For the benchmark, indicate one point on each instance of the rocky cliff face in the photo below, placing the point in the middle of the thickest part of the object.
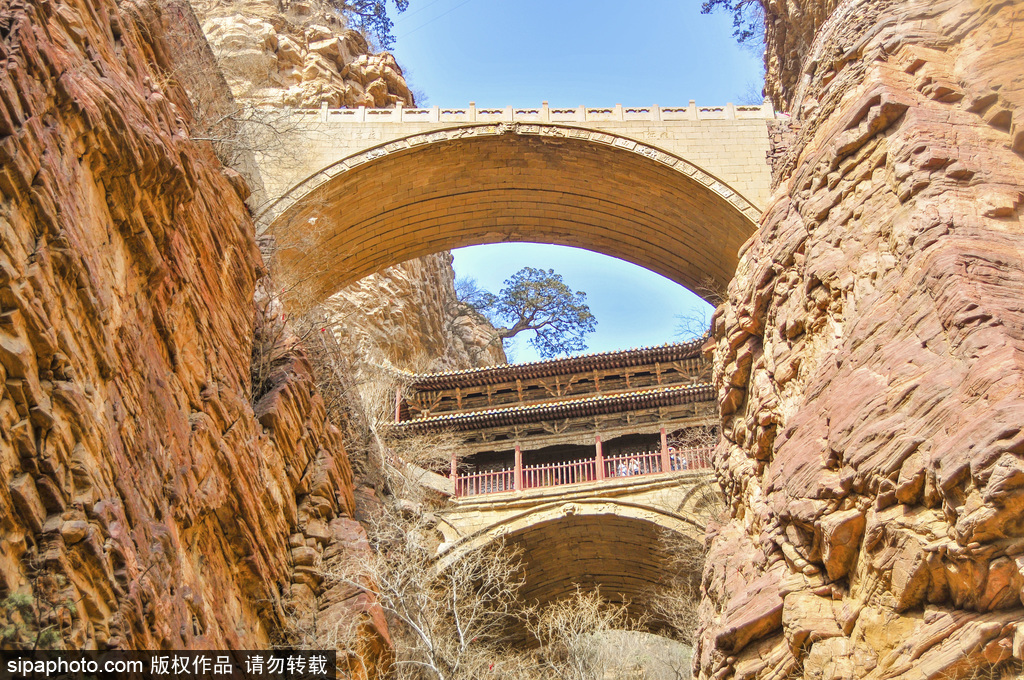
(298, 54)
(870, 358)
(138, 480)
(407, 317)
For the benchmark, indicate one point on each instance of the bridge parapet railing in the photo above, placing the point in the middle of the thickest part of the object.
(580, 471)
(631, 464)
(544, 114)
(557, 474)
(485, 482)
(652, 462)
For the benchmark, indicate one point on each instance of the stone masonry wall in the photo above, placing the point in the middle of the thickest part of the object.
(138, 482)
(870, 358)
(733, 150)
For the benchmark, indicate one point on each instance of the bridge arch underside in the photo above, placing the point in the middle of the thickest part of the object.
(659, 212)
(622, 548)
(624, 557)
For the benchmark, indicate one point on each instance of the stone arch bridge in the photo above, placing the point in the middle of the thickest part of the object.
(674, 189)
(610, 534)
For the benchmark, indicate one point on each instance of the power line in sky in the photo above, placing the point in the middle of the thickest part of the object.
(407, 34)
(416, 11)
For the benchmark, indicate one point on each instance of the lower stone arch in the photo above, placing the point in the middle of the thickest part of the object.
(494, 183)
(614, 545)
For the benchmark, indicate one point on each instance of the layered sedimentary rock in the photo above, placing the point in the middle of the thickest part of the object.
(139, 482)
(870, 358)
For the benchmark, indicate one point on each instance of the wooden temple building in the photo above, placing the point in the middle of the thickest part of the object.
(572, 420)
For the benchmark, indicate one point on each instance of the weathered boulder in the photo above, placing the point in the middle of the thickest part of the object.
(262, 46)
(840, 541)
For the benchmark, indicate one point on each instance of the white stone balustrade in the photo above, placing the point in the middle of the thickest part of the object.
(544, 114)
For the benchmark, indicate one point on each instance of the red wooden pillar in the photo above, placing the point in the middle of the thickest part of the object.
(600, 457)
(666, 463)
(455, 474)
(519, 469)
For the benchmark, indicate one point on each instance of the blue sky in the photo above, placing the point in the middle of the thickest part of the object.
(569, 52)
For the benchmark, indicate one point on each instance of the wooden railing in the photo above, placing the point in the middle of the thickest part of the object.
(485, 482)
(630, 464)
(556, 474)
(693, 459)
(580, 471)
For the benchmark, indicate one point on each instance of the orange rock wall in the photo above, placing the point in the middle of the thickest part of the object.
(870, 358)
(137, 480)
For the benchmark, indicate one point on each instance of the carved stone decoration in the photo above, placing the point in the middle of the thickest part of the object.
(569, 509)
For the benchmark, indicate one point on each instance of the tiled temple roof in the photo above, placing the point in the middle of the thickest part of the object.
(541, 369)
(585, 406)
